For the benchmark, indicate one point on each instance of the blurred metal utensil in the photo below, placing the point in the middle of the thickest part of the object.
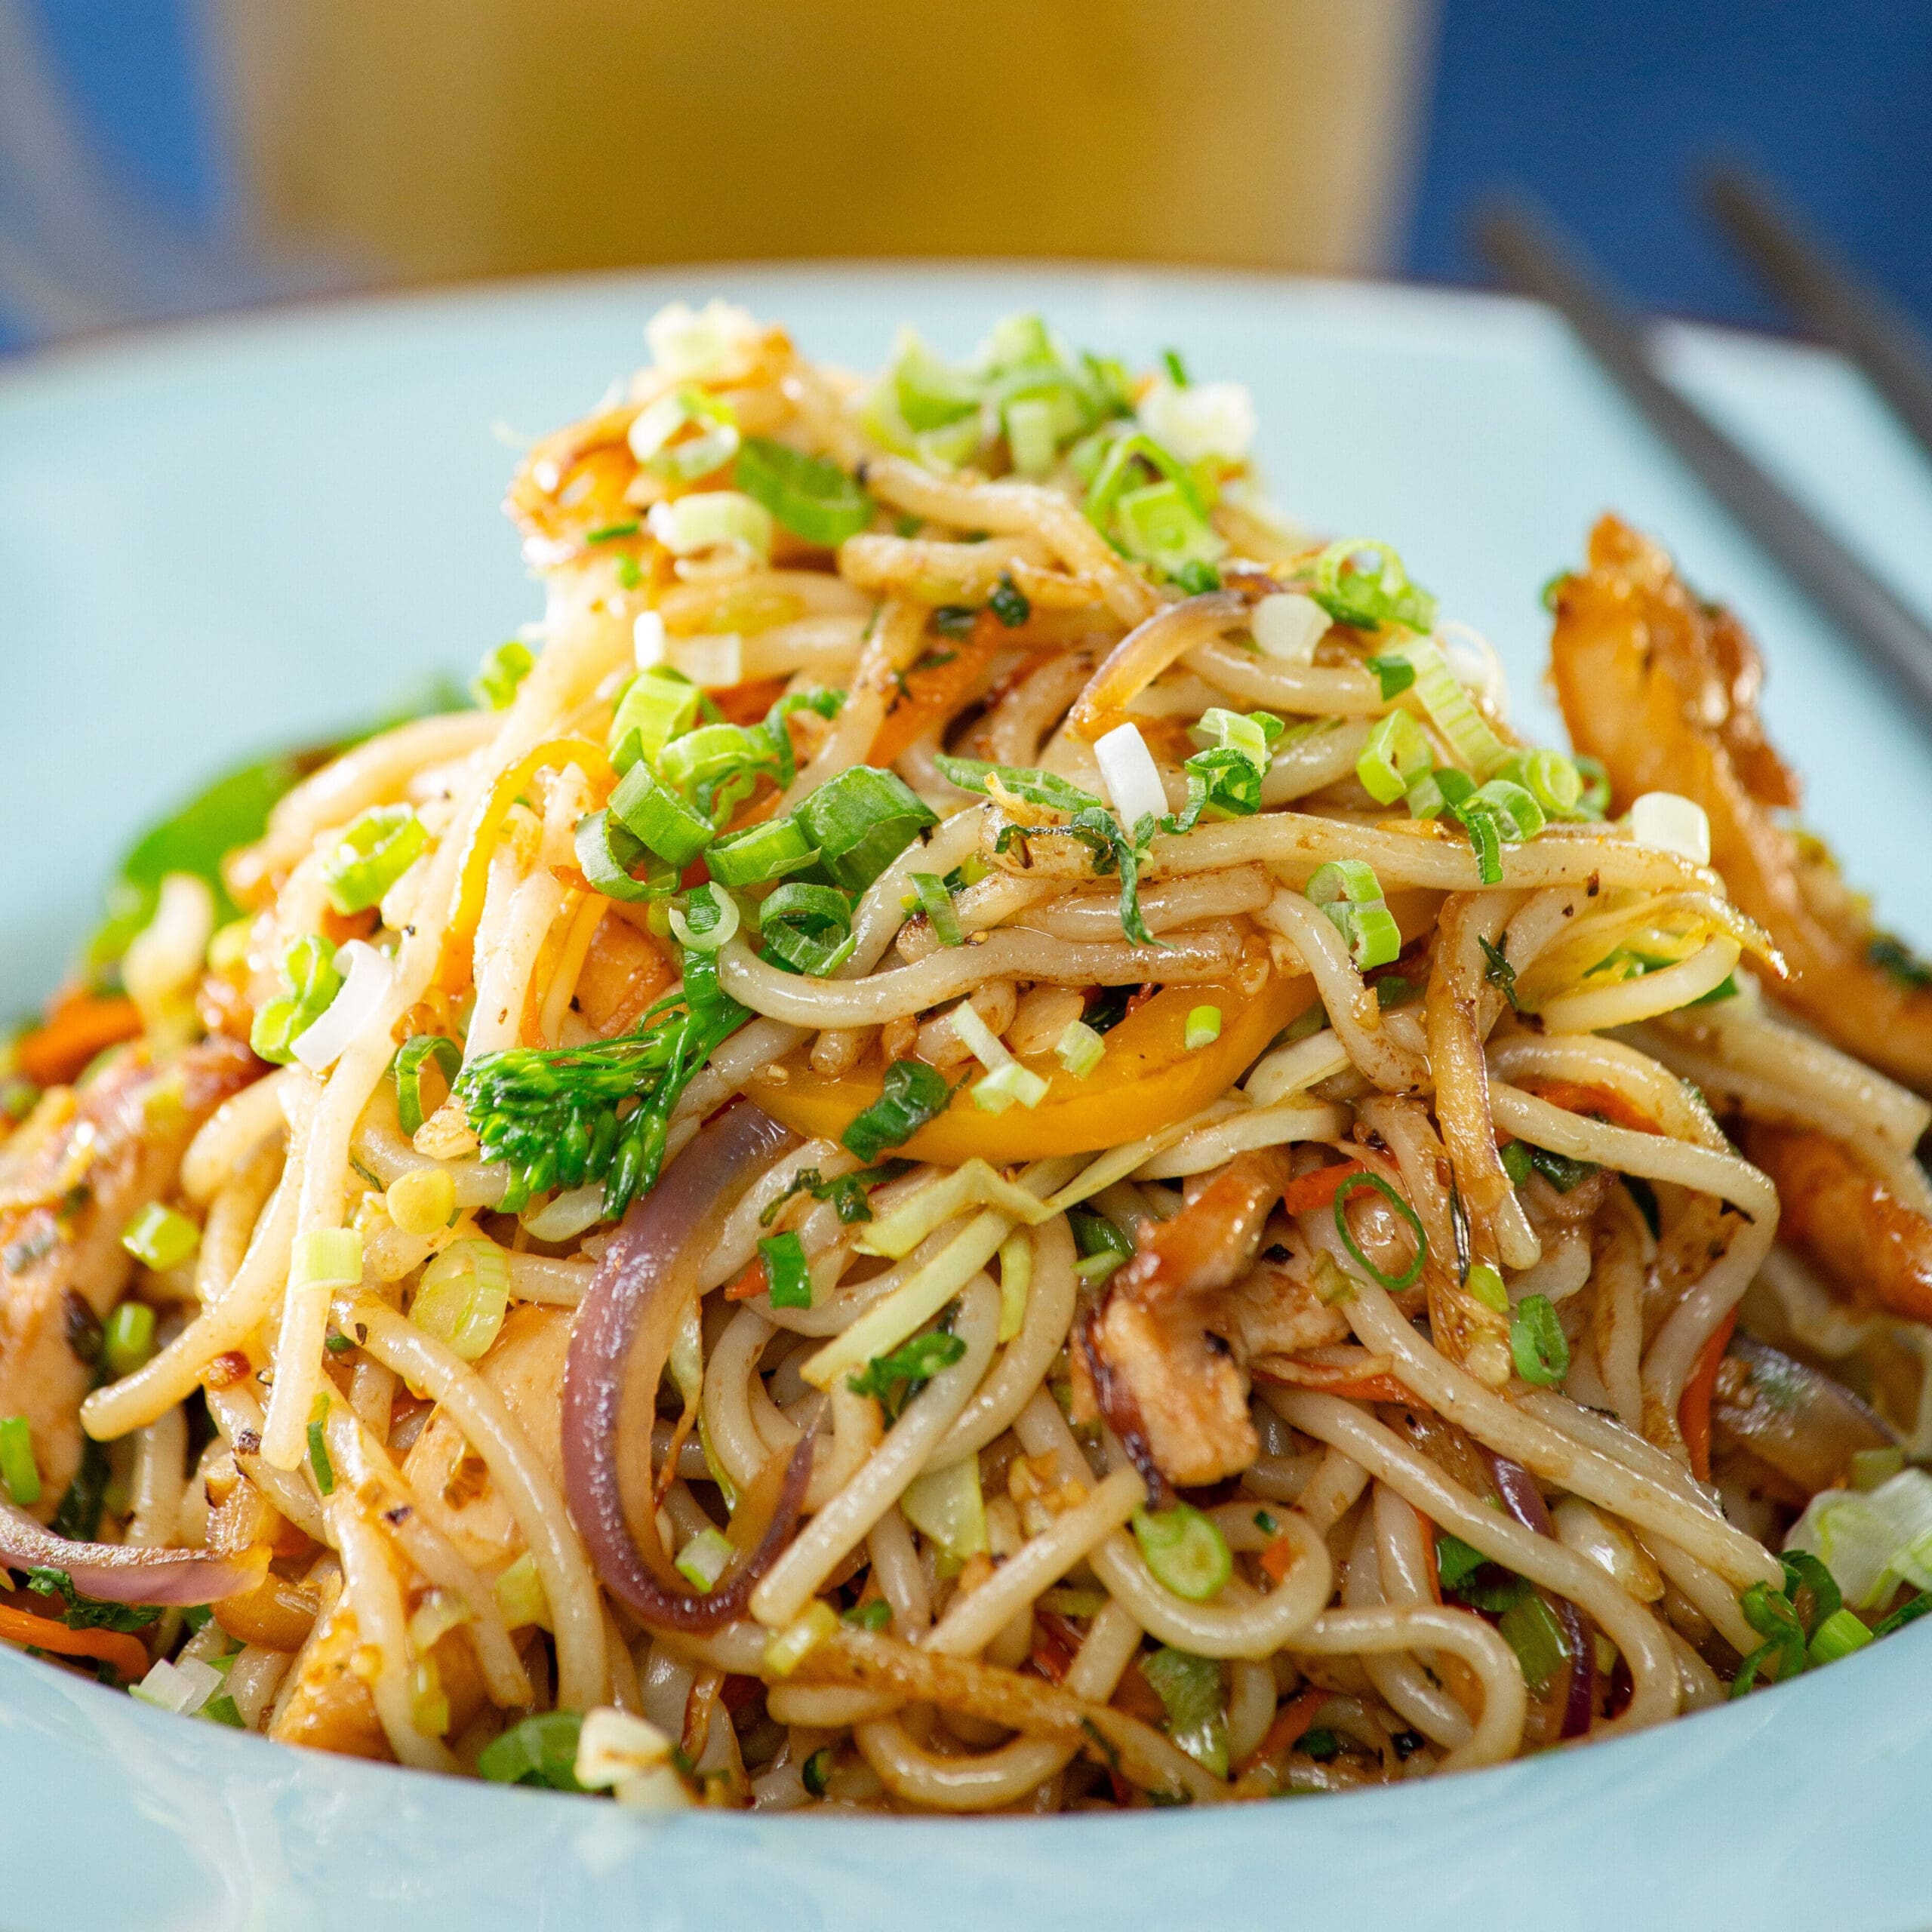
(1528, 251)
(1825, 292)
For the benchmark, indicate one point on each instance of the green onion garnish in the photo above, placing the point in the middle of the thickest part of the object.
(1516, 1163)
(1485, 1282)
(494, 686)
(539, 1750)
(1395, 756)
(1837, 1636)
(408, 1070)
(915, 1094)
(308, 970)
(658, 816)
(786, 1270)
(1079, 1049)
(705, 1558)
(1529, 1627)
(610, 855)
(936, 904)
(1008, 603)
(159, 1237)
(1369, 595)
(760, 852)
(874, 1614)
(807, 928)
(810, 495)
(1204, 1027)
(1104, 1244)
(1395, 674)
(19, 1471)
(1185, 1549)
(861, 821)
(1348, 892)
(1537, 1342)
(375, 850)
(657, 706)
(1356, 1184)
(318, 1448)
(128, 1340)
(897, 1377)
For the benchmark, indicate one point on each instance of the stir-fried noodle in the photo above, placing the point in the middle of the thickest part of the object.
(981, 1142)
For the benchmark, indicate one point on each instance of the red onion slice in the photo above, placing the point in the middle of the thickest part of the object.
(625, 1329)
(1523, 1500)
(117, 1573)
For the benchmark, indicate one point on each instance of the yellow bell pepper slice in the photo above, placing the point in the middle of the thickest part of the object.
(1148, 1081)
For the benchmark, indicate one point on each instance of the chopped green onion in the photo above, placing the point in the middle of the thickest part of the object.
(1032, 440)
(874, 1614)
(308, 970)
(1163, 525)
(1910, 1611)
(653, 427)
(786, 1270)
(936, 904)
(1560, 1171)
(1516, 1163)
(19, 1470)
(1006, 1084)
(713, 519)
(1079, 1049)
(930, 392)
(1008, 603)
(1103, 1246)
(948, 1508)
(914, 1094)
(1485, 1284)
(326, 1258)
(1356, 1184)
(1196, 577)
(810, 495)
(494, 686)
(1395, 756)
(463, 1296)
(608, 854)
(448, 1057)
(1194, 1691)
(760, 852)
(1204, 1027)
(1451, 709)
(375, 850)
(807, 928)
(1456, 1562)
(1175, 368)
(318, 1447)
(128, 1340)
(861, 821)
(658, 706)
(815, 1773)
(1537, 1342)
(895, 1377)
(611, 533)
(539, 1750)
(1550, 778)
(709, 918)
(658, 816)
(1529, 1627)
(1395, 674)
(706, 1558)
(159, 1237)
(1497, 968)
(1185, 1549)
(1252, 733)
(1368, 597)
(1348, 892)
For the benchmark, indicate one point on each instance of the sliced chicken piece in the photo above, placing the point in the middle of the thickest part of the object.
(1873, 1248)
(1663, 690)
(1273, 1310)
(71, 1179)
(525, 1366)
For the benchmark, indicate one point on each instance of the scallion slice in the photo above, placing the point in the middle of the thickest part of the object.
(914, 1094)
(160, 1238)
(654, 814)
(657, 706)
(374, 851)
(760, 853)
(1204, 1027)
(1538, 1343)
(810, 495)
(1185, 1549)
(608, 854)
(807, 928)
(1395, 756)
(1370, 594)
(861, 821)
(1079, 1049)
(503, 669)
(20, 1471)
(936, 904)
(1356, 1184)
(448, 1057)
(786, 1270)
(1348, 892)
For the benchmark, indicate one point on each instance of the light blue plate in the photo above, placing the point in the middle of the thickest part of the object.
(217, 540)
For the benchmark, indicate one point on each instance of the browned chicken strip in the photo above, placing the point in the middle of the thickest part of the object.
(71, 1179)
(1663, 690)
(1852, 1227)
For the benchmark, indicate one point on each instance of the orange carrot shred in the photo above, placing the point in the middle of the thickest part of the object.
(82, 1024)
(127, 1653)
(1318, 1188)
(1693, 1409)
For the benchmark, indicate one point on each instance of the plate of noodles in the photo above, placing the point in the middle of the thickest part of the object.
(1083, 1057)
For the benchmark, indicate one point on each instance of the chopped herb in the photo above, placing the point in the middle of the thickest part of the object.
(874, 1615)
(954, 621)
(540, 1750)
(815, 1773)
(1392, 990)
(1175, 368)
(897, 1377)
(847, 1192)
(1395, 675)
(1197, 577)
(1893, 955)
(914, 1094)
(1498, 971)
(86, 1612)
(610, 533)
(1008, 603)
(78, 1519)
(1561, 1171)
(1321, 1744)
(786, 1271)
(1516, 1162)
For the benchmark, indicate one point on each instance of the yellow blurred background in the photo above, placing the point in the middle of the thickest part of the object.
(455, 137)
